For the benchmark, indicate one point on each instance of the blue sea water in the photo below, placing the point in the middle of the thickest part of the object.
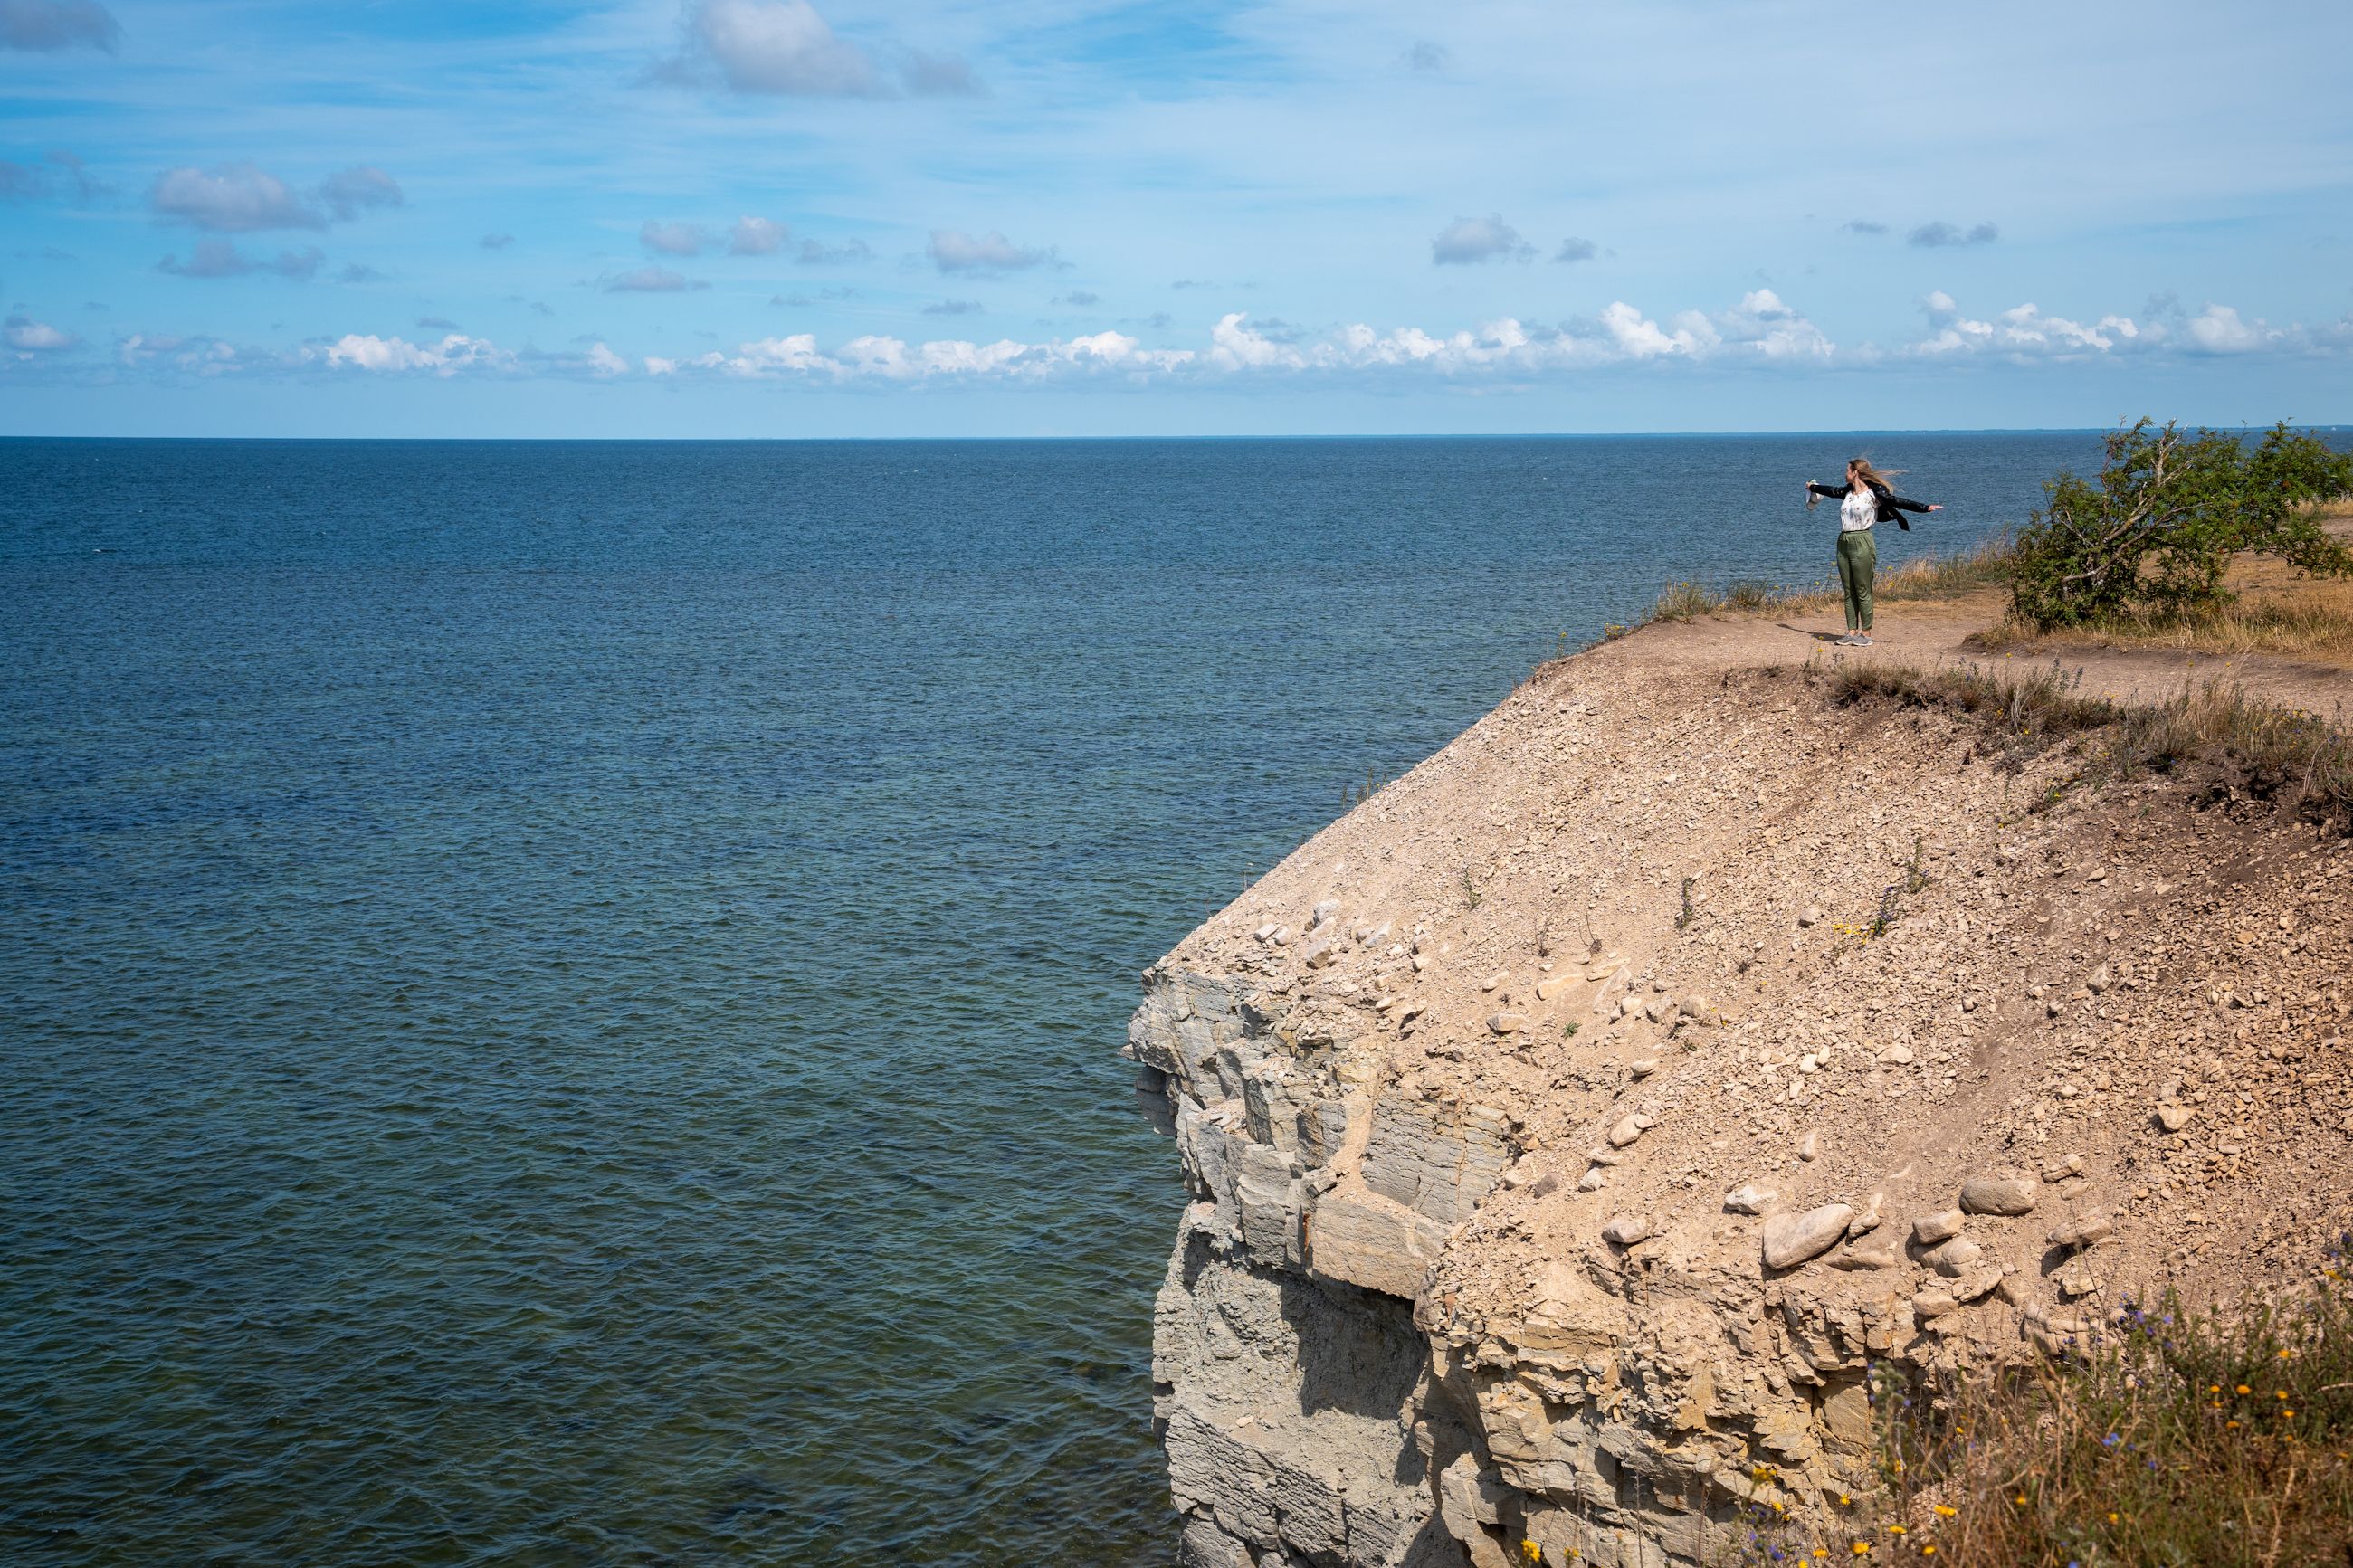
(558, 1001)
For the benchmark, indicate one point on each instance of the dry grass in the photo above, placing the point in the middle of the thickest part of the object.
(2168, 1439)
(1933, 577)
(2237, 745)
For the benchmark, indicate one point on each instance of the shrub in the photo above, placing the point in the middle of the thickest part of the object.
(2155, 533)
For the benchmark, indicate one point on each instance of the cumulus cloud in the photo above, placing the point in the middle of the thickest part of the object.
(650, 280)
(28, 336)
(1576, 250)
(198, 355)
(495, 241)
(2028, 332)
(756, 237)
(674, 238)
(235, 198)
(46, 26)
(954, 250)
(348, 192)
(392, 355)
(815, 253)
(1942, 235)
(785, 49)
(241, 198)
(1468, 241)
(773, 47)
(222, 258)
(956, 308)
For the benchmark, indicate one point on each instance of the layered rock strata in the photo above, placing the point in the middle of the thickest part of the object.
(1574, 1127)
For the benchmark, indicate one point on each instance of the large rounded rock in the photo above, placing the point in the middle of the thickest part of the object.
(2001, 1194)
(1792, 1239)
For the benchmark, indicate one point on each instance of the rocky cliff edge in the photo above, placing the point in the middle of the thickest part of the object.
(1572, 1126)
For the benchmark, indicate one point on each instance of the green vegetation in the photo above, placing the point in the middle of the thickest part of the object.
(2154, 535)
(2168, 1438)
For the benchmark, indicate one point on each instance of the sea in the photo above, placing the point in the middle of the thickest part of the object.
(560, 1001)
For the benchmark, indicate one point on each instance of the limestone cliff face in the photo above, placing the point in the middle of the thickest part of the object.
(1570, 1128)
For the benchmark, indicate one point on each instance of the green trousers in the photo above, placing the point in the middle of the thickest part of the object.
(1858, 561)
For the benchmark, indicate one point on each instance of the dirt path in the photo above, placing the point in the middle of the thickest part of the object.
(1934, 632)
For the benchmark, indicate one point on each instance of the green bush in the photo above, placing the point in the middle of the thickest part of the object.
(2156, 531)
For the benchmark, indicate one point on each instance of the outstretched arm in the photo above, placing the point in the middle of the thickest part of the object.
(1902, 504)
(1833, 491)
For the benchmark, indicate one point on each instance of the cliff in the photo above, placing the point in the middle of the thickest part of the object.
(1571, 1126)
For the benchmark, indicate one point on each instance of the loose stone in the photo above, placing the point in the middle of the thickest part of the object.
(1506, 1023)
(2001, 1194)
(1625, 1230)
(1792, 1239)
(1749, 1198)
(1943, 1225)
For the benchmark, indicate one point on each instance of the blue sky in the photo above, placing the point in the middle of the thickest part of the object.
(766, 217)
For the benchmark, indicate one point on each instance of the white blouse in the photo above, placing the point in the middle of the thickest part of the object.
(1859, 510)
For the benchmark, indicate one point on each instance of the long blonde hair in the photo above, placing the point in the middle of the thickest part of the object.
(1862, 470)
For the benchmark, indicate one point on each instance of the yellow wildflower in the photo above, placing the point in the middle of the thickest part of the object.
(2244, 1389)
(1945, 1511)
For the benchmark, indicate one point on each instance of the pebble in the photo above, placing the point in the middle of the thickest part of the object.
(1749, 1198)
(1809, 1147)
(1932, 1304)
(1791, 1239)
(1625, 1132)
(2174, 1118)
(1323, 911)
(1625, 1230)
(2009, 1195)
(1506, 1023)
(1281, 936)
(1943, 1225)
(1265, 931)
(1595, 1180)
(1549, 989)
(1547, 1184)
(1897, 1055)
(1868, 1220)
(1813, 915)
(1643, 1067)
(1320, 954)
(1495, 980)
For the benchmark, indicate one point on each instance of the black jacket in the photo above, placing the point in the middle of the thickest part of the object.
(1889, 501)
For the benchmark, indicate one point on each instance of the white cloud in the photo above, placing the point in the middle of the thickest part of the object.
(234, 198)
(674, 238)
(1467, 240)
(778, 47)
(452, 354)
(603, 361)
(196, 356)
(756, 237)
(954, 250)
(241, 198)
(48, 25)
(2218, 330)
(650, 280)
(1576, 250)
(30, 336)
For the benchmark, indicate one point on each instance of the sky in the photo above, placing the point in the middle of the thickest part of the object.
(942, 217)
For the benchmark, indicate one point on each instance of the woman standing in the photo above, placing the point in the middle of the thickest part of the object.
(1863, 500)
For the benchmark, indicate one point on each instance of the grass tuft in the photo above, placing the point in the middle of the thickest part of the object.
(2245, 746)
